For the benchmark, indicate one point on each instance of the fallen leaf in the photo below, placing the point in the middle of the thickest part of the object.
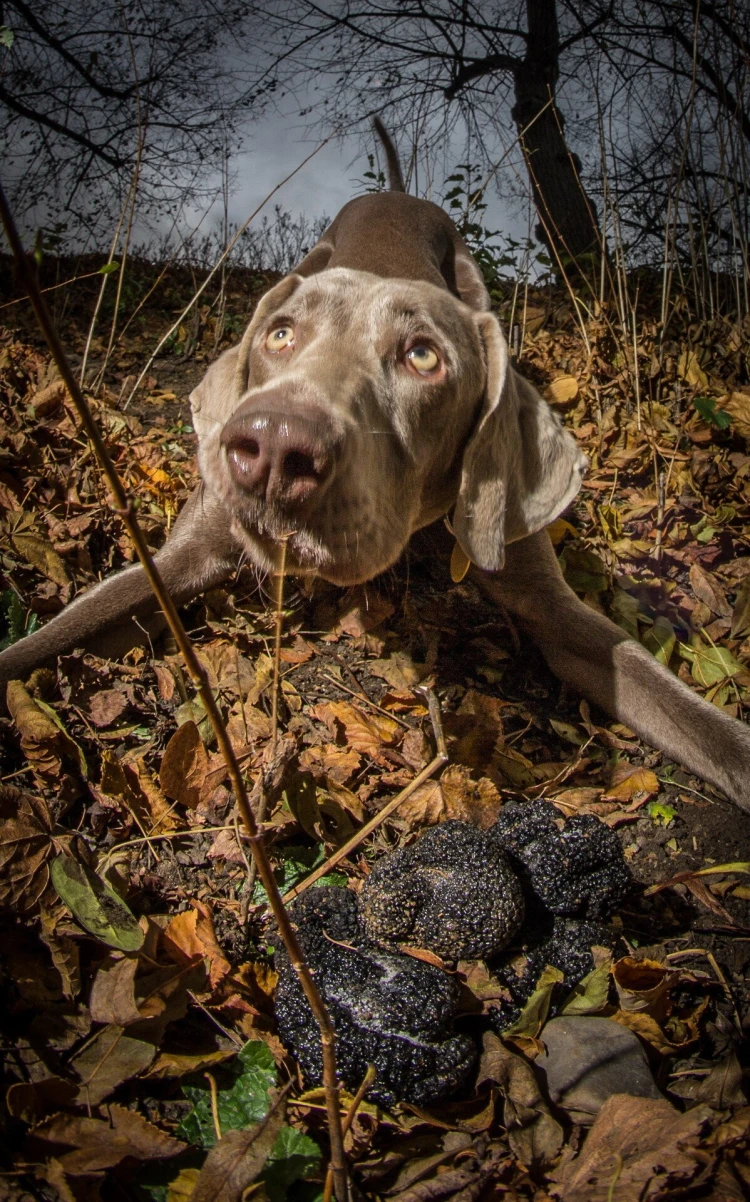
(96, 1144)
(192, 934)
(638, 1150)
(635, 786)
(365, 733)
(562, 390)
(43, 743)
(591, 994)
(112, 998)
(111, 1057)
(184, 766)
(709, 591)
(737, 405)
(532, 1018)
(455, 796)
(642, 985)
(106, 707)
(25, 846)
(96, 906)
(238, 1158)
(40, 553)
(534, 1135)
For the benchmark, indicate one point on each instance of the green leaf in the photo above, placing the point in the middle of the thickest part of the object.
(624, 610)
(11, 607)
(97, 907)
(242, 1095)
(661, 813)
(660, 640)
(298, 863)
(709, 665)
(7, 36)
(590, 995)
(534, 1014)
(108, 268)
(706, 406)
(294, 1156)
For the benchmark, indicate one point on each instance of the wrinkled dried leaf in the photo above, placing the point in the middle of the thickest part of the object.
(534, 1135)
(184, 766)
(642, 1145)
(94, 1144)
(192, 934)
(25, 846)
(637, 785)
(40, 553)
(43, 743)
(111, 1057)
(238, 1158)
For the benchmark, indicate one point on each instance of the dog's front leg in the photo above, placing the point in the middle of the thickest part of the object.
(600, 660)
(121, 612)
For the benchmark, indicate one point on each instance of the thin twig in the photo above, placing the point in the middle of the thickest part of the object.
(441, 757)
(214, 1103)
(367, 1081)
(124, 507)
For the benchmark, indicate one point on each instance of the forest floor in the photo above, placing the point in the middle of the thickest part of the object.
(122, 1067)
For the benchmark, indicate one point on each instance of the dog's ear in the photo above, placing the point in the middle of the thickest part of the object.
(470, 284)
(520, 467)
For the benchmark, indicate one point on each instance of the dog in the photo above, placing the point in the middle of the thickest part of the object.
(372, 393)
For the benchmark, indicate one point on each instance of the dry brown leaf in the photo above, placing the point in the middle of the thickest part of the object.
(642, 985)
(184, 766)
(106, 706)
(638, 1150)
(455, 795)
(163, 817)
(708, 590)
(96, 1144)
(562, 390)
(48, 399)
(635, 785)
(112, 997)
(42, 742)
(366, 733)
(238, 1157)
(534, 1135)
(40, 553)
(649, 1030)
(337, 763)
(577, 801)
(111, 1057)
(690, 370)
(25, 846)
(119, 784)
(192, 934)
(63, 949)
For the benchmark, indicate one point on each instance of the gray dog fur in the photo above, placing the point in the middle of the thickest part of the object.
(384, 450)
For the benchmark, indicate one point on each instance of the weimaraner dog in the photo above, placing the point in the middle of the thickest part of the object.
(371, 394)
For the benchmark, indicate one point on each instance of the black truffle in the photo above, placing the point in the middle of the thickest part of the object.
(388, 1010)
(574, 866)
(453, 892)
(563, 943)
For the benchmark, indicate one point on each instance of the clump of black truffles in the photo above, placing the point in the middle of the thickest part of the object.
(388, 1010)
(452, 892)
(573, 866)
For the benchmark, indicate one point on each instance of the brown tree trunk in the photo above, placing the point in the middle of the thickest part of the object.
(567, 218)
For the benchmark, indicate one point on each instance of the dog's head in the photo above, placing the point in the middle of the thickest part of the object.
(358, 409)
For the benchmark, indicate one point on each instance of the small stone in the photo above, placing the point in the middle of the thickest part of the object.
(590, 1059)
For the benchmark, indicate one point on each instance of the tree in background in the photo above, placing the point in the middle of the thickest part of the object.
(98, 93)
(609, 100)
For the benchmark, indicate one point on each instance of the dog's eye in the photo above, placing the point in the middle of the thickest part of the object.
(280, 338)
(423, 359)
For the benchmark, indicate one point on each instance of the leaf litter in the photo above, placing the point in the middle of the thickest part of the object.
(139, 987)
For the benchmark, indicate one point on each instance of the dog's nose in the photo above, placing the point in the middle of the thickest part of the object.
(278, 455)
